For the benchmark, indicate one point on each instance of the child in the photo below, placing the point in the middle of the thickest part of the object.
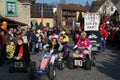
(22, 52)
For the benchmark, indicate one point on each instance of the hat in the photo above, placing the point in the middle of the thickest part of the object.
(63, 32)
(53, 36)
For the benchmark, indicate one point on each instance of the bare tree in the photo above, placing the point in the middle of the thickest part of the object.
(62, 1)
(87, 3)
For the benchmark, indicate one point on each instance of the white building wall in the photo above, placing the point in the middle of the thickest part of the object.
(106, 8)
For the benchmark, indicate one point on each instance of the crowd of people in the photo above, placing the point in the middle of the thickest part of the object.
(113, 39)
(17, 44)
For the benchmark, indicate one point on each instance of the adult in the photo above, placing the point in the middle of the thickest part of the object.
(84, 42)
(104, 36)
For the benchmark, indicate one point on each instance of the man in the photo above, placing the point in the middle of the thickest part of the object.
(104, 36)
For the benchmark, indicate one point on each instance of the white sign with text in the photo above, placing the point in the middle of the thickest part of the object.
(91, 21)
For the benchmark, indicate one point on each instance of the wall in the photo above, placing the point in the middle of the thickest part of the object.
(45, 20)
(23, 12)
(2, 7)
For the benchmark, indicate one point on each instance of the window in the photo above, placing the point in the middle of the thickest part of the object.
(11, 8)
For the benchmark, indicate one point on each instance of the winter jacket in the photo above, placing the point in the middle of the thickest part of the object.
(105, 33)
(26, 53)
(83, 43)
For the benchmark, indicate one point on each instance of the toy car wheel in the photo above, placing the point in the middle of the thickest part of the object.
(70, 63)
(87, 64)
(25, 69)
(32, 71)
(52, 72)
(32, 74)
(11, 69)
(61, 65)
(32, 65)
(93, 61)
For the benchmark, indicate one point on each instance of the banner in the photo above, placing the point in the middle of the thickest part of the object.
(91, 21)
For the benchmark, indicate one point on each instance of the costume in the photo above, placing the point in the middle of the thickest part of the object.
(83, 42)
(10, 48)
(64, 39)
(22, 52)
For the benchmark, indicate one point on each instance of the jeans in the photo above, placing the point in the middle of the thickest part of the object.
(65, 47)
(33, 47)
(53, 57)
(103, 45)
(39, 45)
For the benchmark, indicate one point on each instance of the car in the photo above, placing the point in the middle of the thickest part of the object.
(94, 37)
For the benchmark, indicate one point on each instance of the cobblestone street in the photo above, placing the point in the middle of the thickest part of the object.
(107, 68)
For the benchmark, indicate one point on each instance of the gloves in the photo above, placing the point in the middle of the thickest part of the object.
(51, 51)
(16, 58)
(75, 46)
(64, 40)
(105, 38)
(45, 47)
(89, 47)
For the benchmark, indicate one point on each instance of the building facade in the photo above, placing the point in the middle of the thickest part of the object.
(17, 10)
(106, 7)
(67, 13)
(42, 12)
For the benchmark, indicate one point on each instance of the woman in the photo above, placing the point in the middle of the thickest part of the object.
(84, 42)
(76, 34)
(53, 47)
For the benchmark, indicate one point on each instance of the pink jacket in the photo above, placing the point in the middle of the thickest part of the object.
(83, 43)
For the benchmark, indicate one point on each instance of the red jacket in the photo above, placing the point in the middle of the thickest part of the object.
(3, 40)
(104, 32)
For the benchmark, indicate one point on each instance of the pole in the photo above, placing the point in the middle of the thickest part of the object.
(42, 13)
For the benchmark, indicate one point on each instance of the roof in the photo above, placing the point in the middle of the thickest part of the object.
(29, 1)
(118, 7)
(97, 4)
(74, 7)
(115, 1)
(36, 10)
(11, 22)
